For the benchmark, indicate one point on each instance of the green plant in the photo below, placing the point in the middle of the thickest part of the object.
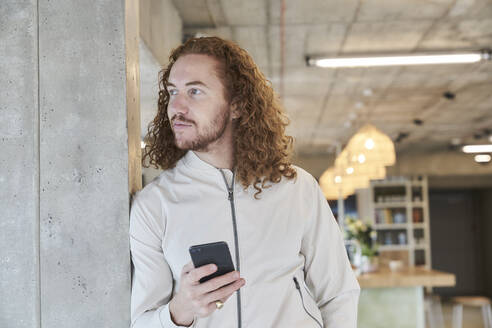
(364, 234)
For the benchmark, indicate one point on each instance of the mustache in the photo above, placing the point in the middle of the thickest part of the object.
(181, 118)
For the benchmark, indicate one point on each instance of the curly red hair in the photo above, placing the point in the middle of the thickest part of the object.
(262, 151)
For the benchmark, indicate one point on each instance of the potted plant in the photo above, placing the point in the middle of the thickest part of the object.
(365, 238)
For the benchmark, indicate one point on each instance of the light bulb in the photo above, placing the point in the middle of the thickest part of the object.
(369, 144)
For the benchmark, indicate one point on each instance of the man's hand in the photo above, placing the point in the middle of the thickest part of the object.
(195, 299)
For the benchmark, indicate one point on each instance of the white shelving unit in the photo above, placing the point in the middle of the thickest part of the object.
(399, 210)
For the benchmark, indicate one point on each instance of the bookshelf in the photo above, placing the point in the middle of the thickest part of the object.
(399, 210)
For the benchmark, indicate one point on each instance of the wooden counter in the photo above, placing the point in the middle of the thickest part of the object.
(396, 299)
(407, 277)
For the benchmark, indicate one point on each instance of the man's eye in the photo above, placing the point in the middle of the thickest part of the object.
(194, 91)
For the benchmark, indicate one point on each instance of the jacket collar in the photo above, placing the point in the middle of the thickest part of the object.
(191, 160)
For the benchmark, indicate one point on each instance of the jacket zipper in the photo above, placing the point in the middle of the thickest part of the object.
(230, 197)
(303, 305)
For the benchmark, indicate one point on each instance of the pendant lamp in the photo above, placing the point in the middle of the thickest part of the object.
(351, 164)
(372, 146)
(334, 185)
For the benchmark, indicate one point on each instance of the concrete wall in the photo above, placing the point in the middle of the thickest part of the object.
(160, 31)
(439, 163)
(149, 94)
(19, 165)
(160, 27)
(64, 165)
(149, 86)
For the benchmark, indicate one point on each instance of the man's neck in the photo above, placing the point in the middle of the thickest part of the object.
(219, 155)
(218, 160)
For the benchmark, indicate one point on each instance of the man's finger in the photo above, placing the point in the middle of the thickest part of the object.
(187, 268)
(225, 292)
(196, 274)
(218, 282)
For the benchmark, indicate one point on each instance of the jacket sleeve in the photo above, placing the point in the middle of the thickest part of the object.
(152, 281)
(327, 269)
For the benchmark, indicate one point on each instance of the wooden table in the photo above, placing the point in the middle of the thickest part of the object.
(396, 299)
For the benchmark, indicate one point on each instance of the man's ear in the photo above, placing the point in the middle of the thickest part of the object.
(235, 112)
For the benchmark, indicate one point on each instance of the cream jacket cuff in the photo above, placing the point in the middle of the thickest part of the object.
(166, 321)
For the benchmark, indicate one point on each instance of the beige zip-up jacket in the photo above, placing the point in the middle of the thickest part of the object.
(287, 246)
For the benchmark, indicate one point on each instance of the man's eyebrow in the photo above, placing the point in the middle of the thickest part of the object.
(169, 84)
(197, 83)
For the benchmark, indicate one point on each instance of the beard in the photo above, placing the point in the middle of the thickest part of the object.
(207, 135)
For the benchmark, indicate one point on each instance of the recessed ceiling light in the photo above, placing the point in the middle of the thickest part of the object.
(449, 95)
(470, 149)
(456, 141)
(350, 170)
(352, 116)
(367, 92)
(347, 124)
(359, 105)
(482, 158)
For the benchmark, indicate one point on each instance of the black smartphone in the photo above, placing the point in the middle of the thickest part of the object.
(217, 253)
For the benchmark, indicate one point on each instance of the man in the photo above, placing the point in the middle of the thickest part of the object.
(219, 136)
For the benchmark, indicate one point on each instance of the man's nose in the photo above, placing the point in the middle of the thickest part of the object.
(178, 104)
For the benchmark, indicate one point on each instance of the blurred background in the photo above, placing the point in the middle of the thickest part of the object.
(432, 207)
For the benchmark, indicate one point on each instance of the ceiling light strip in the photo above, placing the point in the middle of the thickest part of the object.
(423, 59)
(473, 149)
(482, 158)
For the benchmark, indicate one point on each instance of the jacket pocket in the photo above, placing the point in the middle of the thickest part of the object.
(305, 296)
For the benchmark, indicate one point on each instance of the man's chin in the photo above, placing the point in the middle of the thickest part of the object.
(184, 144)
(191, 145)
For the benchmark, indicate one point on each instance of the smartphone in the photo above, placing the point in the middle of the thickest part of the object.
(217, 253)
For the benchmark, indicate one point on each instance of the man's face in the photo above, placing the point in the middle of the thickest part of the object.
(198, 112)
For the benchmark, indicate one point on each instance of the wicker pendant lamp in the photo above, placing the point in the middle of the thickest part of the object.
(334, 185)
(364, 158)
(357, 165)
(372, 146)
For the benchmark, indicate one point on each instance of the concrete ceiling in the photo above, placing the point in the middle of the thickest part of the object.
(327, 105)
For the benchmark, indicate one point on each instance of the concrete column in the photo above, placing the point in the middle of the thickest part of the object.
(19, 165)
(64, 247)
